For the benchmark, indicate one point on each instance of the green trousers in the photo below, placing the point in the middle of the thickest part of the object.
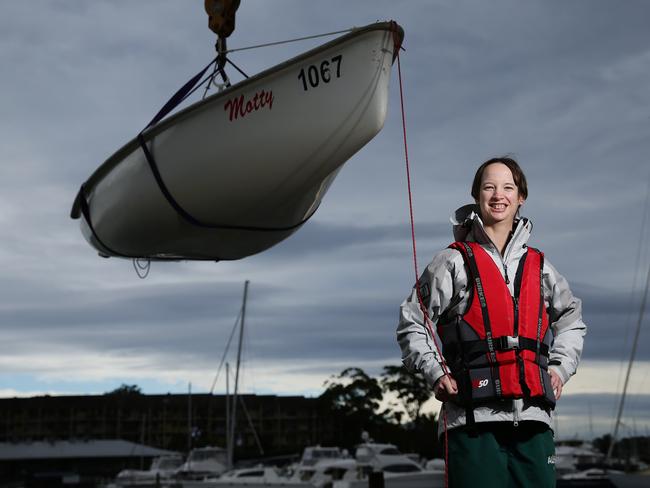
(500, 455)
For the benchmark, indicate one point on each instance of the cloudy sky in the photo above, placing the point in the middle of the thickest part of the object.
(562, 86)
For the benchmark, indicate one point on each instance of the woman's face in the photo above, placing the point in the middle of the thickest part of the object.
(499, 197)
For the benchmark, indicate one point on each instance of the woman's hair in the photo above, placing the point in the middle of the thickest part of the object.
(517, 175)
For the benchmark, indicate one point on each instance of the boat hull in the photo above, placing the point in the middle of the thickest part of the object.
(249, 165)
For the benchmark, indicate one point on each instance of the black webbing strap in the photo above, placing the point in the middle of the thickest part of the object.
(188, 216)
(163, 187)
(540, 317)
(182, 93)
(85, 211)
(476, 278)
(517, 289)
(475, 349)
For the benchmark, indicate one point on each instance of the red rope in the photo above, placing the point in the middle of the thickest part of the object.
(427, 320)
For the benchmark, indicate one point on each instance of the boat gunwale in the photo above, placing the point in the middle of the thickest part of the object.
(120, 155)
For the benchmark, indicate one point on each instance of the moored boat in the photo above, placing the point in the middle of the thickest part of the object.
(162, 470)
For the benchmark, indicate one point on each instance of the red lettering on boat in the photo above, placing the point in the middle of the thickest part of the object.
(240, 107)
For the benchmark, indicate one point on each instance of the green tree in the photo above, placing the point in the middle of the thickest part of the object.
(125, 390)
(353, 398)
(411, 390)
(353, 393)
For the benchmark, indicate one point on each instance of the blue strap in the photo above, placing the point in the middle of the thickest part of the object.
(178, 97)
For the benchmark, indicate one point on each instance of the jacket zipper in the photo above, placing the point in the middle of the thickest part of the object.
(504, 258)
(515, 301)
(515, 413)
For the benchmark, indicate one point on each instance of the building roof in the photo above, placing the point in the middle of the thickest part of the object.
(101, 448)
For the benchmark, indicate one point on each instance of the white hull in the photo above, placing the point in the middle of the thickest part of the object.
(252, 162)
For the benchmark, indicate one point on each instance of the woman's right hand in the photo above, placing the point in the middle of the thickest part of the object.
(445, 388)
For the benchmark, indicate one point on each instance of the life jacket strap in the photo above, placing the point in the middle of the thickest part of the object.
(505, 343)
(474, 349)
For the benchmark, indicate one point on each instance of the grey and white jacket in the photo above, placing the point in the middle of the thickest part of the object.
(446, 278)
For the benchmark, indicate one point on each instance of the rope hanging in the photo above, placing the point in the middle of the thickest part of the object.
(142, 267)
(427, 320)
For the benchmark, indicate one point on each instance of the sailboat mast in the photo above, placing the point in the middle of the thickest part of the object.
(189, 416)
(228, 446)
(629, 366)
(234, 403)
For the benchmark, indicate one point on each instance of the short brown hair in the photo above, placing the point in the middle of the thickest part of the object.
(517, 175)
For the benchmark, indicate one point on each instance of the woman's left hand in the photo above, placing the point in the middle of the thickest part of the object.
(556, 382)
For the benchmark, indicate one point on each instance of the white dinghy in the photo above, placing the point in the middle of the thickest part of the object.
(243, 169)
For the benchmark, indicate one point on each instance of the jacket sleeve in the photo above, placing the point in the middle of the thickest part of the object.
(565, 317)
(438, 284)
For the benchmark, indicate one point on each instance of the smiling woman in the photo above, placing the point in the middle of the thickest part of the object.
(511, 334)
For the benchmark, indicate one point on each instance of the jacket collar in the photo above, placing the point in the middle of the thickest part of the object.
(468, 226)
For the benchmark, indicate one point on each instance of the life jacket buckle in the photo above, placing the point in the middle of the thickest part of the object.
(505, 343)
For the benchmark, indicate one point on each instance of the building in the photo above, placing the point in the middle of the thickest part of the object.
(73, 463)
(267, 425)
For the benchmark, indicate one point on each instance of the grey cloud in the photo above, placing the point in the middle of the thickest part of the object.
(319, 237)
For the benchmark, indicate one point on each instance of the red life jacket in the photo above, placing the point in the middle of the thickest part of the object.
(498, 349)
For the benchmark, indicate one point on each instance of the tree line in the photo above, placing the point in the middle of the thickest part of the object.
(388, 407)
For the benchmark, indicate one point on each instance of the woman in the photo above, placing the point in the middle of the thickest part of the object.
(511, 334)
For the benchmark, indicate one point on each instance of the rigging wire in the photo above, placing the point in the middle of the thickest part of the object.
(225, 352)
(247, 372)
(628, 319)
(629, 367)
(250, 423)
(228, 60)
(214, 73)
(635, 342)
(257, 46)
(277, 43)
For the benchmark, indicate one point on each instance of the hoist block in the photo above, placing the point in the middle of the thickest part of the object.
(221, 16)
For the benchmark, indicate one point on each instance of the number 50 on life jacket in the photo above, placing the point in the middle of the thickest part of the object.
(498, 349)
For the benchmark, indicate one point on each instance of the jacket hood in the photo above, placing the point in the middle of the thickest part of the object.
(463, 220)
(468, 226)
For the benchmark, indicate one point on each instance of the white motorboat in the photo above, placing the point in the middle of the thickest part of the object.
(318, 467)
(162, 469)
(240, 171)
(399, 470)
(317, 475)
(571, 457)
(202, 463)
(313, 455)
(256, 476)
(326, 471)
(260, 476)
